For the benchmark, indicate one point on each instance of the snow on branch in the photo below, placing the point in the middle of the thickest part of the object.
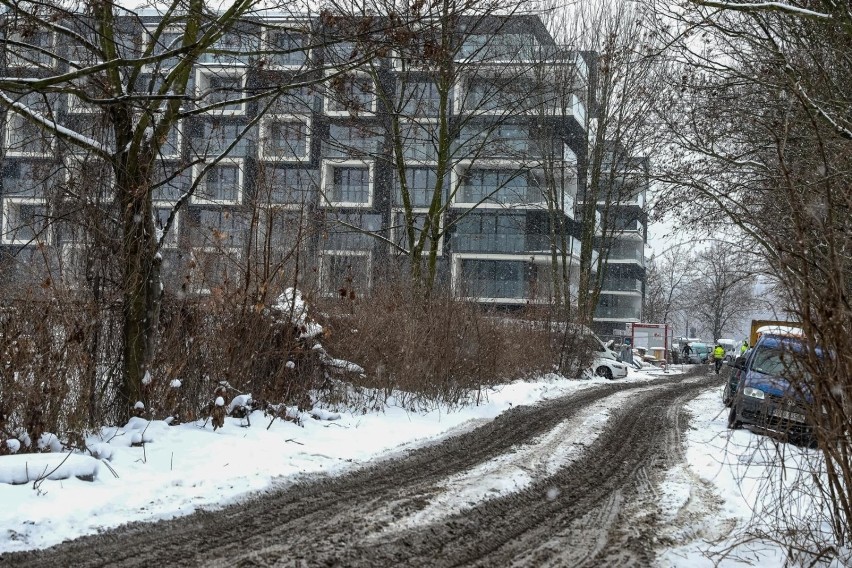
(54, 127)
(766, 7)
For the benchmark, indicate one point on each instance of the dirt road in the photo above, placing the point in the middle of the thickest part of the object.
(597, 510)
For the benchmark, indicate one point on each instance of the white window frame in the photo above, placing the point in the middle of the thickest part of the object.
(326, 100)
(14, 153)
(327, 179)
(202, 83)
(266, 45)
(323, 270)
(5, 238)
(198, 170)
(265, 123)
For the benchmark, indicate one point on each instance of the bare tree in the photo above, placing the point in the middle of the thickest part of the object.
(667, 285)
(448, 101)
(623, 81)
(113, 91)
(759, 118)
(721, 289)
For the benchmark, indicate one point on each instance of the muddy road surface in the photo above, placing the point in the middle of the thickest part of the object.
(595, 509)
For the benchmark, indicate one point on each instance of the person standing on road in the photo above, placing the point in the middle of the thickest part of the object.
(686, 351)
(718, 356)
(744, 347)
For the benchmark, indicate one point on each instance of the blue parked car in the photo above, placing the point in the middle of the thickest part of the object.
(773, 390)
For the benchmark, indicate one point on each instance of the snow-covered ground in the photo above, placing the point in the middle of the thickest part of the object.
(184, 468)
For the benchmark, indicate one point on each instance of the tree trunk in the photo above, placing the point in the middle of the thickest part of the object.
(142, 291)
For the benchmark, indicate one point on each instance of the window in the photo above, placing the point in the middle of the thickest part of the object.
(420, 184)
(299, 100)
(499, 186)
(419, 141)
(36, 49)
(25, 221)
(221, 184)
(212, 270)
(493, 278)
(350, 94)
(420, 98)
(161, 217)
(500, 141)
(171, 147)
(345, 273)
(25, 138)
(289, 48)
(81, 52)
(78, 105)
(232, 48)
(88, 179)
(399, 230)
(92, 125)
(627, 251)
(216, 229)
(168, 40)
(284, 139)
(617, 306)
(351, 141)
(349, 184)
(490, 94)
(176, 180)
(286, 186)
(217, 134)
(75, 265)
(281, 231)
(218, 86)
(342, 52)
(499, 47)
(350, 230)
(30, 179)
(491, 232)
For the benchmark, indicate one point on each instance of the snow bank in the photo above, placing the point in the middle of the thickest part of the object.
(20, 469)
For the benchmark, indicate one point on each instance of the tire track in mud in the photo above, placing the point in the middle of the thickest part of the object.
(571, 518)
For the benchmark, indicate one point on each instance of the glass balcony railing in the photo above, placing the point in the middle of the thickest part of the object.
(500, 243)
(619, 312)
(622, 285)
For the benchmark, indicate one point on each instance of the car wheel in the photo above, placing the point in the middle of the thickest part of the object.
(604, 372)
(734, 423)
(727, 399)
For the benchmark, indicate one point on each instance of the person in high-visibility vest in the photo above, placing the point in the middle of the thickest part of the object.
(744, 347)
(718, 356)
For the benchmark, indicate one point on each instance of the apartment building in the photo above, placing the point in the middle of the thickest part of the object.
(303, 185)
(622, 244)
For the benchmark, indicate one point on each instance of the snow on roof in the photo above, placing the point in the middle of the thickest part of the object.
(782, 330)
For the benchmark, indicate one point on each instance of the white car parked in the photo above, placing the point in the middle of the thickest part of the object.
(607, 365)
